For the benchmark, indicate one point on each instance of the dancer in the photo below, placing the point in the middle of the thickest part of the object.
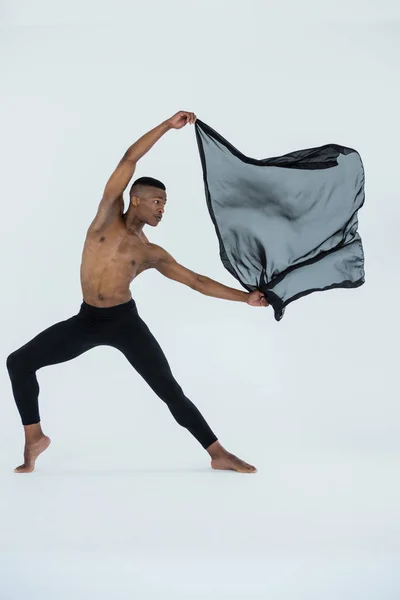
(116, 250)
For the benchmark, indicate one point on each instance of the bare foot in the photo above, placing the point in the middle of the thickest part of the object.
(32, 451)
(230, 462)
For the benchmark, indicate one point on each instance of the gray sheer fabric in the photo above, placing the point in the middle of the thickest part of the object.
(286, 225)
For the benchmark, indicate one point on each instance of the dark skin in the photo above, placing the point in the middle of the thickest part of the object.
(116, 251)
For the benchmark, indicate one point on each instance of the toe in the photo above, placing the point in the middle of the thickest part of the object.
(251, 469)
(23, 469)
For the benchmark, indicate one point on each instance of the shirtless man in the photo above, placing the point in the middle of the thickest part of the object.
(115, 252)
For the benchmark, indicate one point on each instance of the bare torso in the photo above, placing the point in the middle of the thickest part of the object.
(112, 257)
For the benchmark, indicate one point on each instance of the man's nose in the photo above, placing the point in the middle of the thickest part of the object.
(161, 209)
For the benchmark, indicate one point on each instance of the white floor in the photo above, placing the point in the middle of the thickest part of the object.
(94, 521)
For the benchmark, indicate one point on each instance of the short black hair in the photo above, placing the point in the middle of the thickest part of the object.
(148, 182)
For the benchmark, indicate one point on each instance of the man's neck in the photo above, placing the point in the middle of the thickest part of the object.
(133, 224)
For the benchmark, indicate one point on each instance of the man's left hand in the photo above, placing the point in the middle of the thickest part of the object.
(257, 298)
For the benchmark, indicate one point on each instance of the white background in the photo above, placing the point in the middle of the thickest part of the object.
(124, 503)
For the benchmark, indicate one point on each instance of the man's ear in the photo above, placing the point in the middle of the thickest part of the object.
(134, 200)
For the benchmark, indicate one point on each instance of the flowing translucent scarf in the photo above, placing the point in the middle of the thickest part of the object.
(286, 225)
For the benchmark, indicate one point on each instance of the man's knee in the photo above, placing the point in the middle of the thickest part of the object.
(172, 391)
(16, 361)
(11, 361)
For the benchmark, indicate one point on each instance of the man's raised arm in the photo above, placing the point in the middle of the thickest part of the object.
(126, 167)
(111, 202)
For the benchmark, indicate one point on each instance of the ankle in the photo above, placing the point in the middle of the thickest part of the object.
(33, 433)
(216, 450)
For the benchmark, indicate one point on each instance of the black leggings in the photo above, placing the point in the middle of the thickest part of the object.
(120, 327)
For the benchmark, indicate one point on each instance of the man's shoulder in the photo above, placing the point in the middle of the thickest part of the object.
(157, 253)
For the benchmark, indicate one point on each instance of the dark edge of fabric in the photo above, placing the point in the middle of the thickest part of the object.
(278, 278)
(274, 301)
(222, 252)
(295, 163)
(279, 306)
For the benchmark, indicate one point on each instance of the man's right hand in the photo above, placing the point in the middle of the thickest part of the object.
(181, 119)
(257, 298)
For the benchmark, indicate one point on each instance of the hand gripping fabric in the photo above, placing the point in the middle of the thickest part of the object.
(286, 225)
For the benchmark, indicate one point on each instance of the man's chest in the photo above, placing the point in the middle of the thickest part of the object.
(119, 249)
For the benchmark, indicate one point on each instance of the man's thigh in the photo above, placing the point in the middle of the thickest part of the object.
(58, 343)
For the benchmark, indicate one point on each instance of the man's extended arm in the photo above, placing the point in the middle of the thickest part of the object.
(168, 266)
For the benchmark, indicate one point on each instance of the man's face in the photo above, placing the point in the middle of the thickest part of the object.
(152, 205)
